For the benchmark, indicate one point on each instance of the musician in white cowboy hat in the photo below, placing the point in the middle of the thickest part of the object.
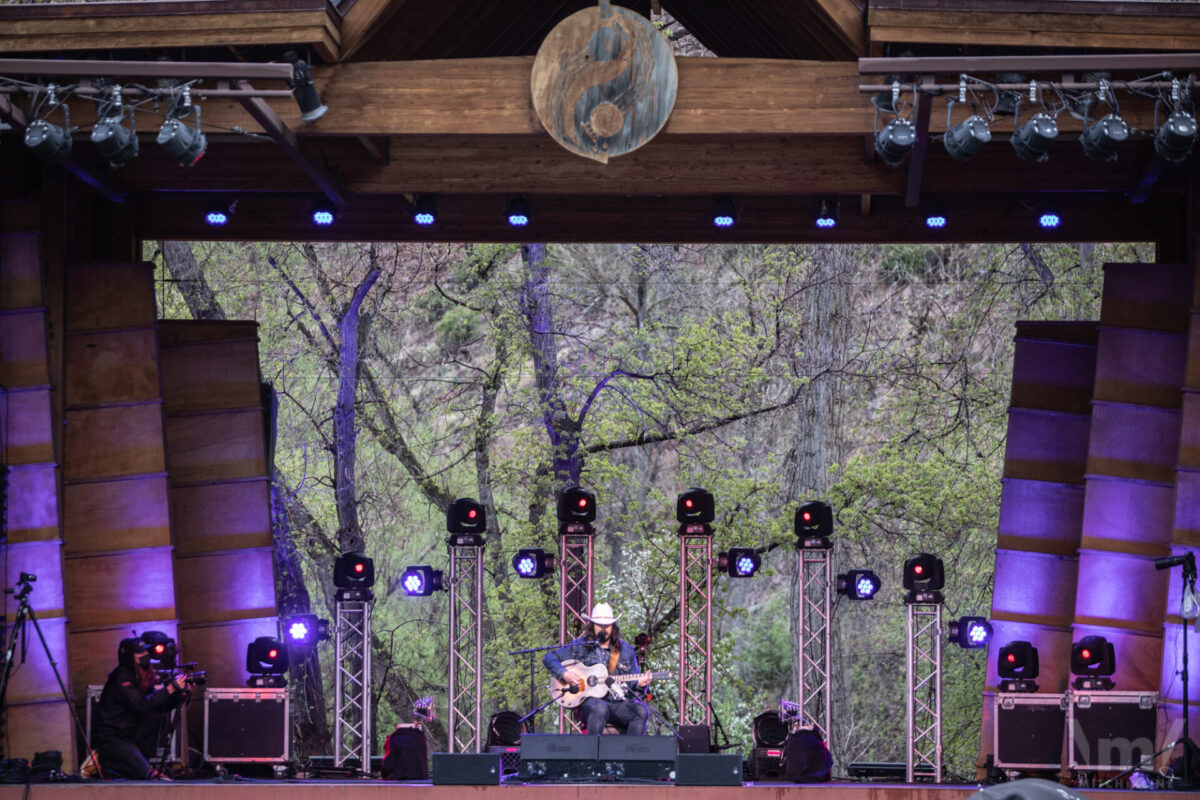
(602, 644)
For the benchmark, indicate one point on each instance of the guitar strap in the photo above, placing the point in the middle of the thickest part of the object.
(613, 657)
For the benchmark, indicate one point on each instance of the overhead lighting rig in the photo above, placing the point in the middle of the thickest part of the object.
(895, 140)
(116, 143)
(48, 141)
(182, 142)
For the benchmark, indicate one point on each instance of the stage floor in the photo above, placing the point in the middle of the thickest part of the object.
(387, 790)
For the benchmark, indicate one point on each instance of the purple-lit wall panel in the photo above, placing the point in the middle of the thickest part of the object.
(25, 420)
(223, 586)
(1189, 432)
(1187, 507)
(1131, 515)
(116, 515)
(1120, 589)
(1053, 375)
(23, 349)
(1139, 442)
(1152, 296)
(221, 516)
(36, 727)
(32, 503)
(1046, 445)
(1054, 651)
(20, 270)
(123, 587)
(1192, 375)
(43, 559)
(95, 650)
(1037, 515)
(34, 680)
(221, 647)
(1035, 586)
(1139, 366)
(1139, 656)
(1172, 661)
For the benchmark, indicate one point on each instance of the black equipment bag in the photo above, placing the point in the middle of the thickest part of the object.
(406, 755)
(806, 759)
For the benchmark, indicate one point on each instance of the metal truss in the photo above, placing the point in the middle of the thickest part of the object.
(695, 629)
(813, 567)
(352, 727)
(466, 649)
(574, 599)
(924, 670)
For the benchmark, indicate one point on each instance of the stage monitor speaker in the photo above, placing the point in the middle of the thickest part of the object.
(694, 739)
(559, 755)
(651, 757)
(708, 769)
(466, 769)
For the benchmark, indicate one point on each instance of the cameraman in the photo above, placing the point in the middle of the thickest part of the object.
(131, 712)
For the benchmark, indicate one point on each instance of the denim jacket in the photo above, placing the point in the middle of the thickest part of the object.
(588, 653)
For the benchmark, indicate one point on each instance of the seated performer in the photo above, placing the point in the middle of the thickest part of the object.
(602, 644)
(131, 712)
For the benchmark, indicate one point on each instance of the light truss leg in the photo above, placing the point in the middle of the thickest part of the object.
(815, 637)
(574, 600)
(695, 629)
(466, 649)
(352, 725)
(924, 695)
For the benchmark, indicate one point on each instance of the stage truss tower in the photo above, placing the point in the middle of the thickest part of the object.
(575, 548)
(466, 648)
(814, 634)
(924, 690)
(352, 706)
(695, 625)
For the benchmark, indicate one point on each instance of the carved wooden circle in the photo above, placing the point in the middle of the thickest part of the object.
(604, 82)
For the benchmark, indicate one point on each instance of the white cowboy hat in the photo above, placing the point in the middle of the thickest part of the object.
(602, 615)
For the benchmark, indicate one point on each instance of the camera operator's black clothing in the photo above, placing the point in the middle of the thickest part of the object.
(127, 723)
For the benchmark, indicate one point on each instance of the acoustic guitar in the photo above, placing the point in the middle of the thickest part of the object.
(596, 683)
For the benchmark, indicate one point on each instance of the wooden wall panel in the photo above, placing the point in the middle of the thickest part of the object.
(221, 647)
(216, 447)
(103, 516)
(20, 270)
(1187, 507)
(112, 367)
(1192, 376)
(114, 441)
(43, 559)
(1139, 366)
(208, 331)
(94, 650)
(1034, 587)
(1138, 442)
(1046, 445)
(1147, 296)
(35, 727)
(1041, 516)
(23, 360)
(1189, 430)
(221, 516)
(211, 376)
(1053, 375)
(34, 680)
(217, 587)
(25, 421)
(122, 587)
(1120, 590)
(110, 295)
(1128, 516)
(33, 503)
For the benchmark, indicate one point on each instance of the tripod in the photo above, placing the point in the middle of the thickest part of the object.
(25, 614)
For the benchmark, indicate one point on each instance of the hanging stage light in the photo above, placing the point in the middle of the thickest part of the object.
(1049, 219)
(217, 213)
(858, 584)
(424, 209)
(421, 580)
(967, 138)
(1033, 139)
(1093, 660)
(305, 630)
(303, 89)
(324, 213)
(116, 143)
(826, 215)
(936, 216)
(739, 562)
(517, 212)
(183, 143)
(895, 141)
(971, 633)
(49, 142)
(1017, 666)
(1175, 137)
(533, 563)
(1007, 100)
(724, 214)
(1101, 139)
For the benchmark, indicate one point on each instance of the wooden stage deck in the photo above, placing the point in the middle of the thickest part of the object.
(389, 790)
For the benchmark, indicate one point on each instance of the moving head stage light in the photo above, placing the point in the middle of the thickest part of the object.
(1093, 660)
(695, 509)
(576, 511)
(814, 525)
(739, 562)
(305, 630)
(1017, 666)
(858, 584)
(532, 563)
(267, 662)
(466, 521)
(924, 577)
(353, 575)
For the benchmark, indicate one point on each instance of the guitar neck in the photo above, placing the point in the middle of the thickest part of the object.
(639, 676)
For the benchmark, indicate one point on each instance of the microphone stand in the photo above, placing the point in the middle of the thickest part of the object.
(532, 692)
(1189, 584)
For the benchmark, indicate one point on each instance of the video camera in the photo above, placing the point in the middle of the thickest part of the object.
(164, 657)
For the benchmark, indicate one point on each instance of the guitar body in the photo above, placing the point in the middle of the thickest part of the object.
(594, 684)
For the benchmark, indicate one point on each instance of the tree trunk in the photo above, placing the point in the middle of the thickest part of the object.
(180, 261)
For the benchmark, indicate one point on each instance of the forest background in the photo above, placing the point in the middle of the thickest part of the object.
(408, 375)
